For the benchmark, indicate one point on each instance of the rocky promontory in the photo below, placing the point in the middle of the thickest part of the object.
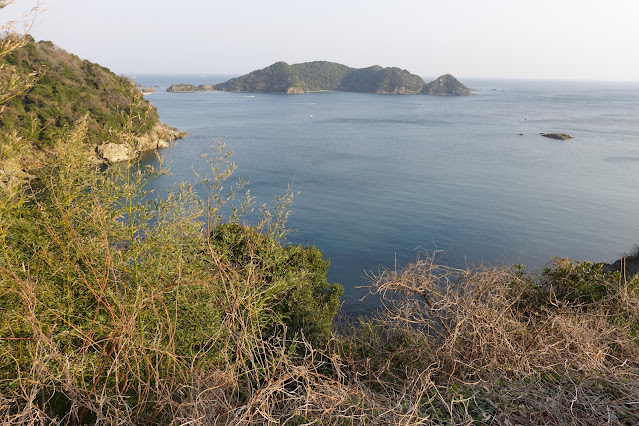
(69, 90)
(160, 136)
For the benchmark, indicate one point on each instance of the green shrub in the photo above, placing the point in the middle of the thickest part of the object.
(306, 302)
(578, 282)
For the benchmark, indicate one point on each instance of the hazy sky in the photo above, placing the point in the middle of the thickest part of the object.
(547, 39)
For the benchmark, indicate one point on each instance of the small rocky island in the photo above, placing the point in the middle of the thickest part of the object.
(558, 136)
(189, 88)
(330, 76)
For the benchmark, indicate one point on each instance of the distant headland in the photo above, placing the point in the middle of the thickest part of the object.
(321, 76)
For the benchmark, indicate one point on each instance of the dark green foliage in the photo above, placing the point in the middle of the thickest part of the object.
(361, 80)
(277, 78)
(68, 88)
(306, 302)
(322, 75)
(580, 282)
(382, 80)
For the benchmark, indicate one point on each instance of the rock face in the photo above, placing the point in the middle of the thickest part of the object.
(113, 152)
(559, 136)
(12, 175)
(160, 136)
(446, 85)
(330, 76)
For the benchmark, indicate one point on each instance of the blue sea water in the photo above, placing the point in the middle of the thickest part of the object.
(381, 177)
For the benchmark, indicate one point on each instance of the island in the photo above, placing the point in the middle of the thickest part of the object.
(558, 136)
(320, 76)
(188, 88)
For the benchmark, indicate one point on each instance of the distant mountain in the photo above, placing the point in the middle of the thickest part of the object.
(322, 75)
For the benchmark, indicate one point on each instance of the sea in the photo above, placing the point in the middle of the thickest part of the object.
(380, 180)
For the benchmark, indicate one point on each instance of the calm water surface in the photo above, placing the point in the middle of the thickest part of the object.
(381, 177)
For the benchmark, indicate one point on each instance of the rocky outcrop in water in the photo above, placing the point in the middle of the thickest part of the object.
(188, 88)
(160, 136)
(558, 136)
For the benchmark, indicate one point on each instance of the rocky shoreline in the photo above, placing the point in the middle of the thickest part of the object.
(14, 172)
(159, 137)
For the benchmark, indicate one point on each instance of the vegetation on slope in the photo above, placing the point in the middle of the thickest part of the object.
(69, 88)
(322, 75)
(116, 303)
(376, 79)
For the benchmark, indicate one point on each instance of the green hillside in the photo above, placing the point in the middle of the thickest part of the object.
(67, 89)
(322, 75)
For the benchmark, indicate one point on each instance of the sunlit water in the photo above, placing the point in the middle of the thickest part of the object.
(381, 177)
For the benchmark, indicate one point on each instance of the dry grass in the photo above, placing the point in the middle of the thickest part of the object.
(515, 347)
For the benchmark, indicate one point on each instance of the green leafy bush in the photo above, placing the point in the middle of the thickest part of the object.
(306, 302)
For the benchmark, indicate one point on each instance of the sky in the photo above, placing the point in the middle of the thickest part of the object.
(541, 39)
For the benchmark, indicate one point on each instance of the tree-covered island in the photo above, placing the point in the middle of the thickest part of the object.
(320, 76)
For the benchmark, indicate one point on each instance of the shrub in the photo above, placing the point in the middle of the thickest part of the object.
(306, 302)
